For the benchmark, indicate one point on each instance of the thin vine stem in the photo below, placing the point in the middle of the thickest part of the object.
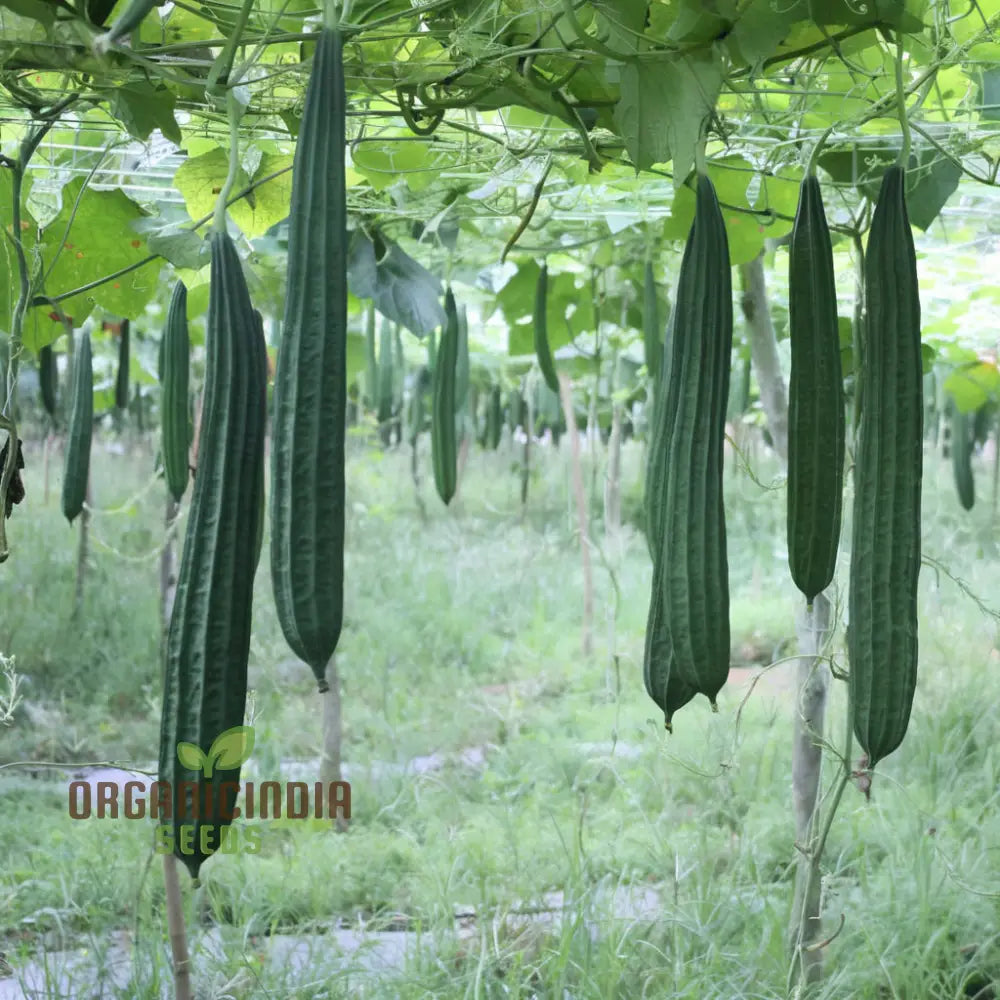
(904, 123)
(814, 156)
(235, 111)
(224, 67)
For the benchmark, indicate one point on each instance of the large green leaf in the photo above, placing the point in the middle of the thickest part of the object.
(662, 108)
(403, 290)
(568, 307)
(200, 178)
(973, 385)
(931, 178)
(93, 236)
(142, 106)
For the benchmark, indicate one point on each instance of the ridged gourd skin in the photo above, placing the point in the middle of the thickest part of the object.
(656, 487)
(310, 385)
(444, 454)
(816, 415)
(371, 360)
(121, 377)
(685, 512)
(261, 486)
(415, 421)
(739, 392)
(208, 641)
(541, 330)
(652, 333)
(885, 551)
(81, 427)
(386, 364)
(48, 378)
(663, 684)
(175, 425)
(961, 457)
(494, 418)
(462, 370)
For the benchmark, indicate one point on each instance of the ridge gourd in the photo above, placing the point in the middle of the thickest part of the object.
(310, 385)
(885, 549)
(687, 638)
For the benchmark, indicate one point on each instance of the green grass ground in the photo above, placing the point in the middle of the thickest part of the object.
(463, 630)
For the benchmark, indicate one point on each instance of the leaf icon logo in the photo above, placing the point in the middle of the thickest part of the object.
(191, 756)
(230, 750)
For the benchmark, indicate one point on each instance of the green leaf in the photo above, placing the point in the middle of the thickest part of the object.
(44, 13)
(930, 181)
(973, 385)
(761, 27)
(989, 95)
(94, 235)
(182, 247)
(230, 749)
(619, 22)
(387, 162)
(642, 115)
(142, 107)
(565, 300)
(183, 25)
(200, 178)
(697, 23)
(662, 108)
(191, 756)
(403, 290)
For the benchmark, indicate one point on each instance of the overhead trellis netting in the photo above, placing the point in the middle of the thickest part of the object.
(477, 133)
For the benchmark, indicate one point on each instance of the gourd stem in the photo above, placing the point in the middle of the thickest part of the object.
(904, 124)
(814, 156)
(235, 112)
(225, 64)
(701, 164)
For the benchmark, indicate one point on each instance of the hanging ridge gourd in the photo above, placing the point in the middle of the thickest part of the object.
(885, 549)
(541, 330)
(494, 418)
(384, 392)
(48, 378)
(688, 633)
(652, 334)
(121, 378)
(371, 360)
(961, 456)
(310, 385)
(78, 437)
(208, 641)
(816, 416)
(462, 371)
(175, 426)
(444, 453)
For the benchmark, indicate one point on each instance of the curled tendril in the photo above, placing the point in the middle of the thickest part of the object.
(412, 115)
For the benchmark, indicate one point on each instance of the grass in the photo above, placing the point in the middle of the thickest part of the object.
(464, 630)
